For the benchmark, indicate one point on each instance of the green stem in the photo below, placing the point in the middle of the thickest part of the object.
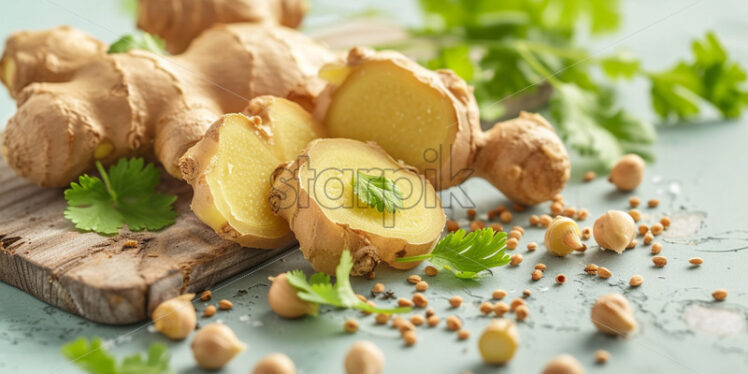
(537, 65)
(414, 258)
(108, 184)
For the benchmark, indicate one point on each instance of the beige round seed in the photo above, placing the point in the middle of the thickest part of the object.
(601, 356)
(454, 323)
(512, 243)
(419, 300)
(648, 238)
(526, 293)
(659, 261)
(656, 248)
(522, 312)
(589, 176)
(560, 279)
(225, 305)
(403, 302)
(497, 227)
(545, 220)
(632, 244)
(429, 312)
(586, 233)
(452, 226)
(534, 220)
(582, 214)
(531, 246)
(350, 326)
(540, 267)
(381, 318)
(470, 213)
(604, 273)
(636, 281)
(519, 228)
(665, 221)
(515, 303)
(634, 201)
(422, 286)
(536, 274)
(719, 294)
(556, 208)
(206, 295)
(590, 269)
(569, 212)
(653, 203)
(417, 319)
(500, 308)
(463, 334)
(498, 294)
(635, 214)
(410, 338)
(656, 228)
(696, 261)
(505, 217)
(431, 271)
(378, 288)
(414, 278)
(476, 225)
(361, 297)
(516, 259)
(433, 320)
(515, 234)
(455, 301)
(486, 307)
(209, 311)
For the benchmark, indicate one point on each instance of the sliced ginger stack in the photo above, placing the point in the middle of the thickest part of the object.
(230, 169)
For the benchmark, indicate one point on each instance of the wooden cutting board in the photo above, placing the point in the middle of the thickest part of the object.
(98, 277)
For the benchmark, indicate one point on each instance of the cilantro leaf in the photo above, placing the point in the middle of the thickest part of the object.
(125, 195)
(378, 191)
(621, 65)
(94, 359)
(711, 77)
(467, 256)
(145, 41)
(320, 290)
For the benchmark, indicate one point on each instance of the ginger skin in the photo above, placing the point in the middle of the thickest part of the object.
(178, 22)
(108, 106)
(429, 119)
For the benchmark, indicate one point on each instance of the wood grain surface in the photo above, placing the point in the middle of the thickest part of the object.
(98, 277)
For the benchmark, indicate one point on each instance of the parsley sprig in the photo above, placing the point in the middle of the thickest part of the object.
(467, 256)
(124, 195)
(378, 191)
(144, 41)
(320, 290)
(94, 359)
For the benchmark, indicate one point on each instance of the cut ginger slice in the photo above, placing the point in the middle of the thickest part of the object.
(315, 194)
(230, 169)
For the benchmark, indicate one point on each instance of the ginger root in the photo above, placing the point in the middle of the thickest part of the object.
(107, 106)
(315, 195)
(429, 119)
(230, 169)
(178, 22)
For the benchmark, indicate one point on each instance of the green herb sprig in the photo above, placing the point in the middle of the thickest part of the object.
(143, 41)
(94, 359)
(379, 192)
(467, 256)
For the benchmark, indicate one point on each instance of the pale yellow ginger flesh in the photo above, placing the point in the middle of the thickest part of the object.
(315, 194)
(429, 119)
(230, 169)
(403, 117)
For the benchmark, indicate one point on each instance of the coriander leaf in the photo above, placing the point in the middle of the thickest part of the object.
(146, 42)
(124, 195)
(94, 359)
(467, 255)
(591, 124)
(378, 191)
(621, 65)
(320, 290)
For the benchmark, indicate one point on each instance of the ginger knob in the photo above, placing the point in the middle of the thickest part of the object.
(275, 363)
(628, 172)
(564, 364)
(563, 236)
(284, 301)
(614, 230)
(215, 345)
(612, 314)
(176, 318)
(364, 358)
(499, 341)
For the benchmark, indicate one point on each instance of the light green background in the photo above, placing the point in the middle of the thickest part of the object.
(701, 172)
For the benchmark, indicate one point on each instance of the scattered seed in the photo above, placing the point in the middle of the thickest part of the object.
(414, 278)
(648, 238)
(536, 274)
(470, 213)
(560, 279)
(582, 214)
(381, 318)
(696, 261)
(455, 301)
(361, 297)
(505, 217)
(453, 323)
(589, 176)
(206, 295)
(500, 308)
(586, 233)
(719, 294)
(657, 228)
(604, 273)
(643, 229)
(431, 271)
(410, 338)
(556, 208)
(130, 244)
(378, 288)
(569, 212)
(534, 220)
(517, 207)
(522, 312)
(398, 321)
(659, 261)
(531, 246)
(486, 307)
(545, 220)
(665, 221)
(636, 281)
(635, 214)
(501, 208)
(498, 294)
(590, 269)
(515, 234)
(540, 267)
(519, 228)
(350, 326)
(452, 226)
(492, 214)
(476, 225)
(526, 293)
(417, 319)
(656, 248)
(632, 244)
(419, 300)
(403, 302)
(497, 227)
(515, 303)
(405, 326)
(653, 203)
(557, 198)
(225, 304)
(601, 356)
(463, 334)
(429, 312)
(209, 311)
(516, 259)
(512, 243)
(634, 201)
(433, 321)
(422, 286)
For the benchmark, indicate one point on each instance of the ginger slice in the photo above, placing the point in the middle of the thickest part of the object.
(429, 119)
(315, 195)
(230, 169)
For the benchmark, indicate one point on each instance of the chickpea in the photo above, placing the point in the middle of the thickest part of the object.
(403, 302)
(635, 214)
(614, 230)
(422, 286)
(378, 288)
(569, 212)
(656, 248)
(563, 237)
(526, 293)
(540, 267)
(659, 261)
(382, 319)
(284, 301)
(175, 318)
(628, 172)
(556, 208)
(518, 207)
(364, 358)
(515, 303)
(696, 261)
(648, 238)
(536, 274)
(612, 314)
(604, 273)
(276, 363)
(582, 214)
(498, 342)
(225, 304)
(497, 227)
(433, 320)
(601, 356)
(515, 234)
(419, 300)
(665, 222)
(564, 364)
(209, 311)
(410, 338)
(215, 345)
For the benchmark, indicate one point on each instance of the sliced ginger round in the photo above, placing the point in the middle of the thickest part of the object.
(315, 195)
(230, 169)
